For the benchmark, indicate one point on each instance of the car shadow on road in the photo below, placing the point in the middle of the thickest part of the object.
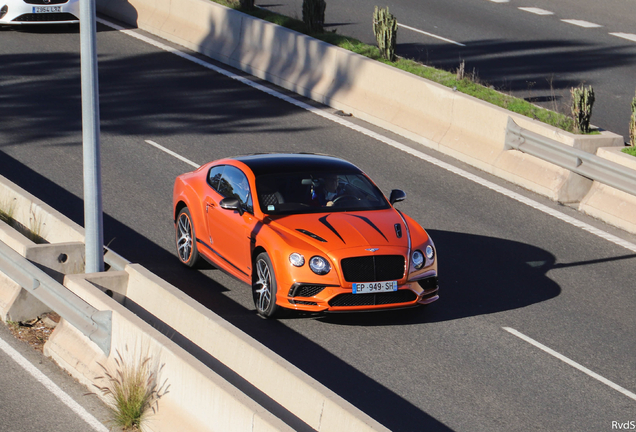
(477, 275)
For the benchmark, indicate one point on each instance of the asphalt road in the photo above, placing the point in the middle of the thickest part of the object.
(525, 52)
(36, 395)
(453, 366)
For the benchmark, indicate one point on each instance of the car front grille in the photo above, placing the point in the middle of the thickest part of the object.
(46, 17)
(373, 268)
(395, 297)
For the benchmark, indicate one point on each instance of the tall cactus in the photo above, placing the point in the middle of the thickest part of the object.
(632, 124)
(246, 4)
(385, 30)
(314, 15)
(582, 102)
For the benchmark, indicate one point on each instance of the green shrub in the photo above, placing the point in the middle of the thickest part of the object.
(630, 151)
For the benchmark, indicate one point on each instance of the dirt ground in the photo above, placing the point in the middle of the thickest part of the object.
(35, 332)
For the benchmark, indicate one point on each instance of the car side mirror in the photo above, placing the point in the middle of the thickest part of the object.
(231, 203)
(397, 195)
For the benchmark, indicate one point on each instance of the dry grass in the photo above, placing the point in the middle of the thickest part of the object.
(132, 392)
(7, 211)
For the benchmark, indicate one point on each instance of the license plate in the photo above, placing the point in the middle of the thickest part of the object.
(373, 287)
(47, 9)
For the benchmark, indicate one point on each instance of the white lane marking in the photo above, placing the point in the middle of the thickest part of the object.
(536, 11)
(628, 36)
(52, 387)
(434, 161)
(500, 1)
(581, 23)
(571, 363)
(430, 34)
(170, 152)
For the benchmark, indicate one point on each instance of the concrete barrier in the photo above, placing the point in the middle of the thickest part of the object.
(453, 123)
(608, 204)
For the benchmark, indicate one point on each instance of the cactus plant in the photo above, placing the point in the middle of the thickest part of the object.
(385, 30)
(582, 102)
(246, 4)
(632, 124)
(314, 15)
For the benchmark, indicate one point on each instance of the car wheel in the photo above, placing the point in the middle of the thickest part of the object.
(264, 286)
(185, 239)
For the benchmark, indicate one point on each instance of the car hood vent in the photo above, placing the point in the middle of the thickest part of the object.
(312, 235)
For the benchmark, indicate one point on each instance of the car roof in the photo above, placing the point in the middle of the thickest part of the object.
(270, 163)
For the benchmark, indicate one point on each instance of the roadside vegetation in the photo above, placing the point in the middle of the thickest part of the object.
(36, 221)
(630, 150)
(457, 80)
(132, 392)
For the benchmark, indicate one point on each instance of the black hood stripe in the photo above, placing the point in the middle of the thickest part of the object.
(367, 220)
(323, 220)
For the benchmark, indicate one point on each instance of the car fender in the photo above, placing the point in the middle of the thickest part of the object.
(279, 244)
(184, 192)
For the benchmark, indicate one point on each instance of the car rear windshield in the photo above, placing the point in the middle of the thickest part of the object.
(286, 193)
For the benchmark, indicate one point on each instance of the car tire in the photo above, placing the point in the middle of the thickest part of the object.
(185, 239)
(264, 287)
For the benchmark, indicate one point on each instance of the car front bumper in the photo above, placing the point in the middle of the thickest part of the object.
(323, 298)
(21, 13)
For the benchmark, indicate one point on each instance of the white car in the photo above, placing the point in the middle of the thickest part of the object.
(18, 12)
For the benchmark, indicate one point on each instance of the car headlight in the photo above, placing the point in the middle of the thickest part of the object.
(319, 265)
(418, 259)
(297, 259)
(430, 252)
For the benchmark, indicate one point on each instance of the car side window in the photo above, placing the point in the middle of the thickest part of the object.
(234, 184)
(214, 177)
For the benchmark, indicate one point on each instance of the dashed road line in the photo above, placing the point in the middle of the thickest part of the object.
(580, 23)
(170, 152)
(536, 11)
(431, 35)
(571, 363)
(628, 36)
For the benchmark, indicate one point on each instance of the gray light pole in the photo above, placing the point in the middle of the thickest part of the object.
(93, 220)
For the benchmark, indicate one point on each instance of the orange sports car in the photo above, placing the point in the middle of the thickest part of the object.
(308, 232)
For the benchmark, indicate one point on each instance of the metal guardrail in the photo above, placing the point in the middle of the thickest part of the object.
(95, 324)
(578, 161)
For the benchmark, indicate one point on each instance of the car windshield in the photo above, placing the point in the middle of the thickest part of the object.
(285, 193)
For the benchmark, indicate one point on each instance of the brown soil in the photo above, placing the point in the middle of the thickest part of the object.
(35, 332)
